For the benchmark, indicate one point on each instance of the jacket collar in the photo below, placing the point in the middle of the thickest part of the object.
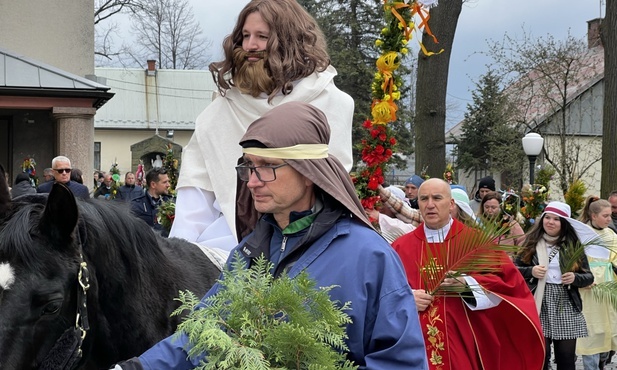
(258, 242)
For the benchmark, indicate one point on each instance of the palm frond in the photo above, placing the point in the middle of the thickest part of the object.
(571, 253)
(473, 251)
(606, 293)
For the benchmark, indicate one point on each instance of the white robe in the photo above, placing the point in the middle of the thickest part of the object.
(205, 206)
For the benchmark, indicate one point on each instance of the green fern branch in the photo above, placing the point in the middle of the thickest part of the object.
(258, 322)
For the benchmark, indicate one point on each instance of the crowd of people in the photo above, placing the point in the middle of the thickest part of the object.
(143, 201)
(418, 301)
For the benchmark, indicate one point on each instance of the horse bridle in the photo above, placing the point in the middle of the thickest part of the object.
(81, 318)
(67, 352)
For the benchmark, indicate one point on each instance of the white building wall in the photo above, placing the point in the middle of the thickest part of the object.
(116, 145)
(586, 158)
(57, 32)
(166, 99)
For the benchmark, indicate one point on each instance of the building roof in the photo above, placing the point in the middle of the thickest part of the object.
(23, 76)
(536, 106)
(154, 99)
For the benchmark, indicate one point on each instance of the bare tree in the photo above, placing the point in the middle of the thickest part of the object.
(167, 32)
(547, 79)
(106, 31)
(609, 126)
(104, 9)
(431, 87)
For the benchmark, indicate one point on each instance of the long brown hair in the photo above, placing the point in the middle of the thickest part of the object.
(566, 235)
(296, 47)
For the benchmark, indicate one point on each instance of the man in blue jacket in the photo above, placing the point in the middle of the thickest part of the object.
(313, 221)
(61, 167)
(129, 190)
(146, 206)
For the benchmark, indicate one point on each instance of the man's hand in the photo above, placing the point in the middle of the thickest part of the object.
(538, 271)
(132, 364)
(372, 213)
(423, 299)
(453, 281)
(567, 278)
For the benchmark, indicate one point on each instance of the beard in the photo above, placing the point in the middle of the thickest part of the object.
(252, 77)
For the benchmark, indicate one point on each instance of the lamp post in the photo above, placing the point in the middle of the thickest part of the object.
(532, 145)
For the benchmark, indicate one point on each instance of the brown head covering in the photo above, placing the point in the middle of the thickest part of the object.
(296, 123)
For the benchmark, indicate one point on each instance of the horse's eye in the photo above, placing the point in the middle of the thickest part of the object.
(51, 308)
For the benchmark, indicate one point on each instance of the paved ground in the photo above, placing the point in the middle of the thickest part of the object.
(579, 364)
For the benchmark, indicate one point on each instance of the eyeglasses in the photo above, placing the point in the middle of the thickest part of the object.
(264, 173)
(63, 170)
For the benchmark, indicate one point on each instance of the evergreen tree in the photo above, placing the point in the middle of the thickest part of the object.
(489, 142)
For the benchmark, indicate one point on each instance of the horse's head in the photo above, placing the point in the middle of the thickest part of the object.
(39, 265)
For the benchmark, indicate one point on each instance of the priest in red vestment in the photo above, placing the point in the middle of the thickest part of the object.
(494, 324)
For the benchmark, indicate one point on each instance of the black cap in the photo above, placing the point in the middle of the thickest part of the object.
(487, 183)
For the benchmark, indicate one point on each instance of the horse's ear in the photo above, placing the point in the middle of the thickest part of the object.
(5, 195)
(60, 216)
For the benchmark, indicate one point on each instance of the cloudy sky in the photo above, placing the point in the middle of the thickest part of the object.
(480, 20)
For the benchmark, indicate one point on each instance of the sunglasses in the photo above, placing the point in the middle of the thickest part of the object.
(63, 170)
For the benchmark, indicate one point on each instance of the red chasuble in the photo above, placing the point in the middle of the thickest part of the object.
(508, 336)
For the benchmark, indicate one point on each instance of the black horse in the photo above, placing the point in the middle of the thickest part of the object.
(69, 269)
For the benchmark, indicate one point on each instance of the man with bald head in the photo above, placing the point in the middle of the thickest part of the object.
(105, 190)
(492, 323)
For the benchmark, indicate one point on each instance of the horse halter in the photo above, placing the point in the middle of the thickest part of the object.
(81, 318)
(67, 352)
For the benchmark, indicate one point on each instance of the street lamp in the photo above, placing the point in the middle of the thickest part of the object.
(532, 145)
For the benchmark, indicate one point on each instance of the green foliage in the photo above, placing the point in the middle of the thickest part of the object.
(570, 255)
(165, 213)
(575, 197)
(606, 292)
(472, 252)
(258, 322)
(170, 164)
(488, 141)
(545, 175)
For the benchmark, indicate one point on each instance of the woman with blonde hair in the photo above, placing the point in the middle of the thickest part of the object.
(601, 318)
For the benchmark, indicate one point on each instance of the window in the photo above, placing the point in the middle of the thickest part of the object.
(97, 155)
